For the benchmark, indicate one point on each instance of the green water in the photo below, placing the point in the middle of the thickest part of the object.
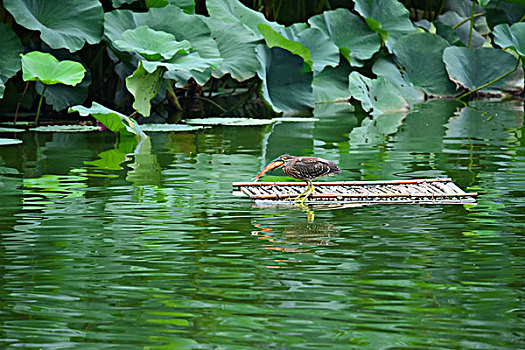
(103, 248)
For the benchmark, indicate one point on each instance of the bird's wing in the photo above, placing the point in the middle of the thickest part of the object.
(312, 167)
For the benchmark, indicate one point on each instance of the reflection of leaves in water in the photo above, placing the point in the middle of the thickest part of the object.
(113, 158)
(47, 189)
(490, 121)
(145, 169)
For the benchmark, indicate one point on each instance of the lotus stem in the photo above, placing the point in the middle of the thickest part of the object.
(40, 104)
(492, 81)
(467, 19)
(211, 102)
(471, 23)
(20, 102)
(172, 97)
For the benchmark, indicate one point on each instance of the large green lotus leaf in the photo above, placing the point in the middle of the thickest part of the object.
(451, 18)
(419, 56)
(388, 16)
(66, 128)
(151, 44)
(113, 120)
(513, 37)
(229, 121)
(8, 142)
(173, 20)
(62, 23)
(377, 96)
(275, 39)
(144, 86)
(331, 85)
(183, 67)
(187, 6)
(170, 127)
(62, 96)
(384, 67)
(118, 3)
(323, 50)
(10, 51)
(504, 13)
(356, 41)
(44, 67)
(286, 87)
(447, 33)
(472, 68)
(236, 44)
(234, 11)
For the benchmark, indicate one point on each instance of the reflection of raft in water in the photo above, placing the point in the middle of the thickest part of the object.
(416, 191)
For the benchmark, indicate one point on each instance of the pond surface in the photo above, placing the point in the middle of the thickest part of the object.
(103, 248)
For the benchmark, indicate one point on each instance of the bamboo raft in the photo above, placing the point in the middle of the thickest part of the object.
(417, 191)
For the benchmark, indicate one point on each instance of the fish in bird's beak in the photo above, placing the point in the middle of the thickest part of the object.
(272, 165)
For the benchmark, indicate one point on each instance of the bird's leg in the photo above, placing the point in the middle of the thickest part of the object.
(303, 196)
(310, 216)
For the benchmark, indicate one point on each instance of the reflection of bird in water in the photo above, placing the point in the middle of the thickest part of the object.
(311, 233)
(302, 168)
(303, 234)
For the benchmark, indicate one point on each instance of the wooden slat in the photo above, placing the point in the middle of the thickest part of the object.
(341, 183)
(386, 195)
(394, 191)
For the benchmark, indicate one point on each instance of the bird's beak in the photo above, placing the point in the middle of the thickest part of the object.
(270, 166)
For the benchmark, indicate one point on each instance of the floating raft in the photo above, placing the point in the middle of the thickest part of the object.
(417, 191)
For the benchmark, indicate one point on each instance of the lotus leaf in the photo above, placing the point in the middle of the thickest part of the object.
(512, 37)
(187, 6)
(376, 95)
(169, 127)
(118, 3)
(66, 128)
(356, 41)
(448, 33)
(452, 18)
(385, 68)
(10, 51)
(339, 109)
(181, 67)
(114, 121)
(388, 16)
(173, 20)
(331, 84)
(151, 44)
(323, 50)
(3, 129)
(62, 96)
(473, 68)
(275, 39)
(144, 86)
(229, 121)
(44, 67)
(285, 85)
(505, 12)
(234, 11)
(236, 44)
(295, 119)
(62, 23)
(419, 56)
(7, 142)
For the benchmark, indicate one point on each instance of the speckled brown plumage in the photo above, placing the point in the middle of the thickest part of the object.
(308, 168)
(302, 168)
